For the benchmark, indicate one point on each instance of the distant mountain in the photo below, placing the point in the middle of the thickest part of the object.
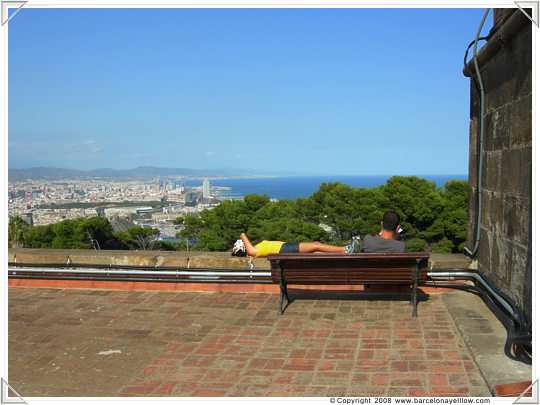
(139, 173)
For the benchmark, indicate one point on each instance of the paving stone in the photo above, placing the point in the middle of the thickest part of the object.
(157, 343)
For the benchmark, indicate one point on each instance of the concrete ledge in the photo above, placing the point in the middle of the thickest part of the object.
(153, 258)
(439, 260)
(156, 258)
(485, 337)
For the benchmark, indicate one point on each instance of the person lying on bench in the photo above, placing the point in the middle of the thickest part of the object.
(243, 246)
(386, 241)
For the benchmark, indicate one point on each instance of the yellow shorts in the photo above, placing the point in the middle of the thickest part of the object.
(268, 246)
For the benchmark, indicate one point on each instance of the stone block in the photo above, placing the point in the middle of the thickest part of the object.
(492, 172)
(516, 169)
(172, 260)
(90, 257)
(520, 265)
(517, 218)
(497, 130)
(42, 256)
(492, 211)
(521, 122)
(129, 259)
(225, 260)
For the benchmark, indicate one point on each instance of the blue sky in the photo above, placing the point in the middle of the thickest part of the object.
(310, 91)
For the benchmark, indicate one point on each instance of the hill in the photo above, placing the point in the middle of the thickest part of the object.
(139, 173)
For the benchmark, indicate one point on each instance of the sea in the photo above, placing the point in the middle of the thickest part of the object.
(292, 187)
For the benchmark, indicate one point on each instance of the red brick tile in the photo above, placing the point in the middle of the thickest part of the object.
(231, 376)
(137, 390)
(434, 355)
(379, 380)
(370, 364)
(408, 380)
(339, 353)
(513, 389)
(314, 353)
(326, 366)
(418, 392)
(214, 374)
(163, 363)
(446, 369)
(227, 339)
(284, 378)
(438, 380)
(332, 375)
(208, 392)
(399, 366)
(298, 353)
(405, 334)
(417, 365)
(148, 371)
(300, 365)
(254, 343)
(165, 388)
(274, 364)
(213, 346)
(448, 391)
(257, 363)
(451, 355)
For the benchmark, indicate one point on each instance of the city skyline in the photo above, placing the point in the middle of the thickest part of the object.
(309, 91)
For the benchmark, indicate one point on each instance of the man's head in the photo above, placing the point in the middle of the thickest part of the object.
(390, 221)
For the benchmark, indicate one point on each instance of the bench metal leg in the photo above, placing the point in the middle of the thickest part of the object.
(282, 289)
(414, 293)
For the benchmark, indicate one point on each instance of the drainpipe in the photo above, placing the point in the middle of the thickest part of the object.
(498, 37)
(466, 250)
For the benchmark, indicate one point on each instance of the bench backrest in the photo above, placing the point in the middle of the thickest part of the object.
(357, 268)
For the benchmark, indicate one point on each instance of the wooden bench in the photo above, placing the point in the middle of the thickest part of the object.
(348, 269)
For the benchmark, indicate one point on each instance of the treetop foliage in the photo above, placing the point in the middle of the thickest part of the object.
(433, 219)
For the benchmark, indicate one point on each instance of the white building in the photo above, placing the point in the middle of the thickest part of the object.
(206, 188)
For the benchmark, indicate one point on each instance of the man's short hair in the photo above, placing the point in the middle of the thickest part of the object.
(390, 221)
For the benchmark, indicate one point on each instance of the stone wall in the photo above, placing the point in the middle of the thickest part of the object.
(504, 252)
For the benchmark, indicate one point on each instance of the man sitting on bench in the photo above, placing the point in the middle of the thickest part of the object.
(386, 241)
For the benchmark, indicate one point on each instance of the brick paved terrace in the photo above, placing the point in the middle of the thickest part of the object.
(89, 342)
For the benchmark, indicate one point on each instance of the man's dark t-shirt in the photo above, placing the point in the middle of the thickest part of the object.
(377, 244)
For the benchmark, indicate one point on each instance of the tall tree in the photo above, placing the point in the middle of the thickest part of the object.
(18, 230)
(141, 237)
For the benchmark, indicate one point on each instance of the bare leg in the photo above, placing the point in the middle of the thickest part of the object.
(318, 247)
(250, 249)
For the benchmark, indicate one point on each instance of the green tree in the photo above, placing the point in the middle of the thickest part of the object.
(18, 230)
(40, 237)
(420, 205)
(191, 226)
(69, 235)
(454, 216)
(98, 233)
(282, 220)
(335, 205)
(141, 238)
